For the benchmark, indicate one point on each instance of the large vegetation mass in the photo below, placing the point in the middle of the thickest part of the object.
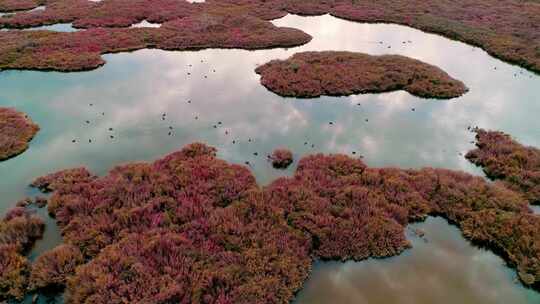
(191, 228)
(508, 29)
(312, 74)
(16, 131)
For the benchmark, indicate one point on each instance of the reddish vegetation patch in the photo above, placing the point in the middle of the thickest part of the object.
(14, 270)
(243, 253)
(508, 29)
(45, 50)
(52, 181)
(17, 5)
(192, 228)
(281, 158)
(503, 158)
(312, 74)
(137, 197)
(20, 228)
(16, 131)
(18, 231)
(52, 268)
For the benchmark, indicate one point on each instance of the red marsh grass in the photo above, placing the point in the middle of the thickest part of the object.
(312, 74)
(192, 228)
(18, 231)
(76, 51)
(502, 158)
(281, 158)
(507, 29)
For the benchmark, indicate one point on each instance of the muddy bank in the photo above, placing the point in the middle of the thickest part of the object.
(312, 74)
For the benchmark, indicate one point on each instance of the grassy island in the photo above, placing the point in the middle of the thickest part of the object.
(312, 74)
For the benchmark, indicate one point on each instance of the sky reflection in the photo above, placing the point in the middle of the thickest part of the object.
(198, 90)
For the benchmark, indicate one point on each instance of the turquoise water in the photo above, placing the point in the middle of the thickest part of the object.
(133, 90)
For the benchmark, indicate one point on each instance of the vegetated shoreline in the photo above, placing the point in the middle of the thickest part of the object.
(16, 131)
(503, 158)
(338, 73)
(506, 29)
(82, 50)
(191, 227)
(19, 229)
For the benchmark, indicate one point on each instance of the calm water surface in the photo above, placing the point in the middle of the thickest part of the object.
(132, 92)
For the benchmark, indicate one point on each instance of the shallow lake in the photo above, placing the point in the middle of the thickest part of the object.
(200, 90)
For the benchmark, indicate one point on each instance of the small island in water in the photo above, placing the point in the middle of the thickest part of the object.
(207, 223)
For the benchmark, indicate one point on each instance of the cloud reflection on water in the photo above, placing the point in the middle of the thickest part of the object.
(135, 89)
